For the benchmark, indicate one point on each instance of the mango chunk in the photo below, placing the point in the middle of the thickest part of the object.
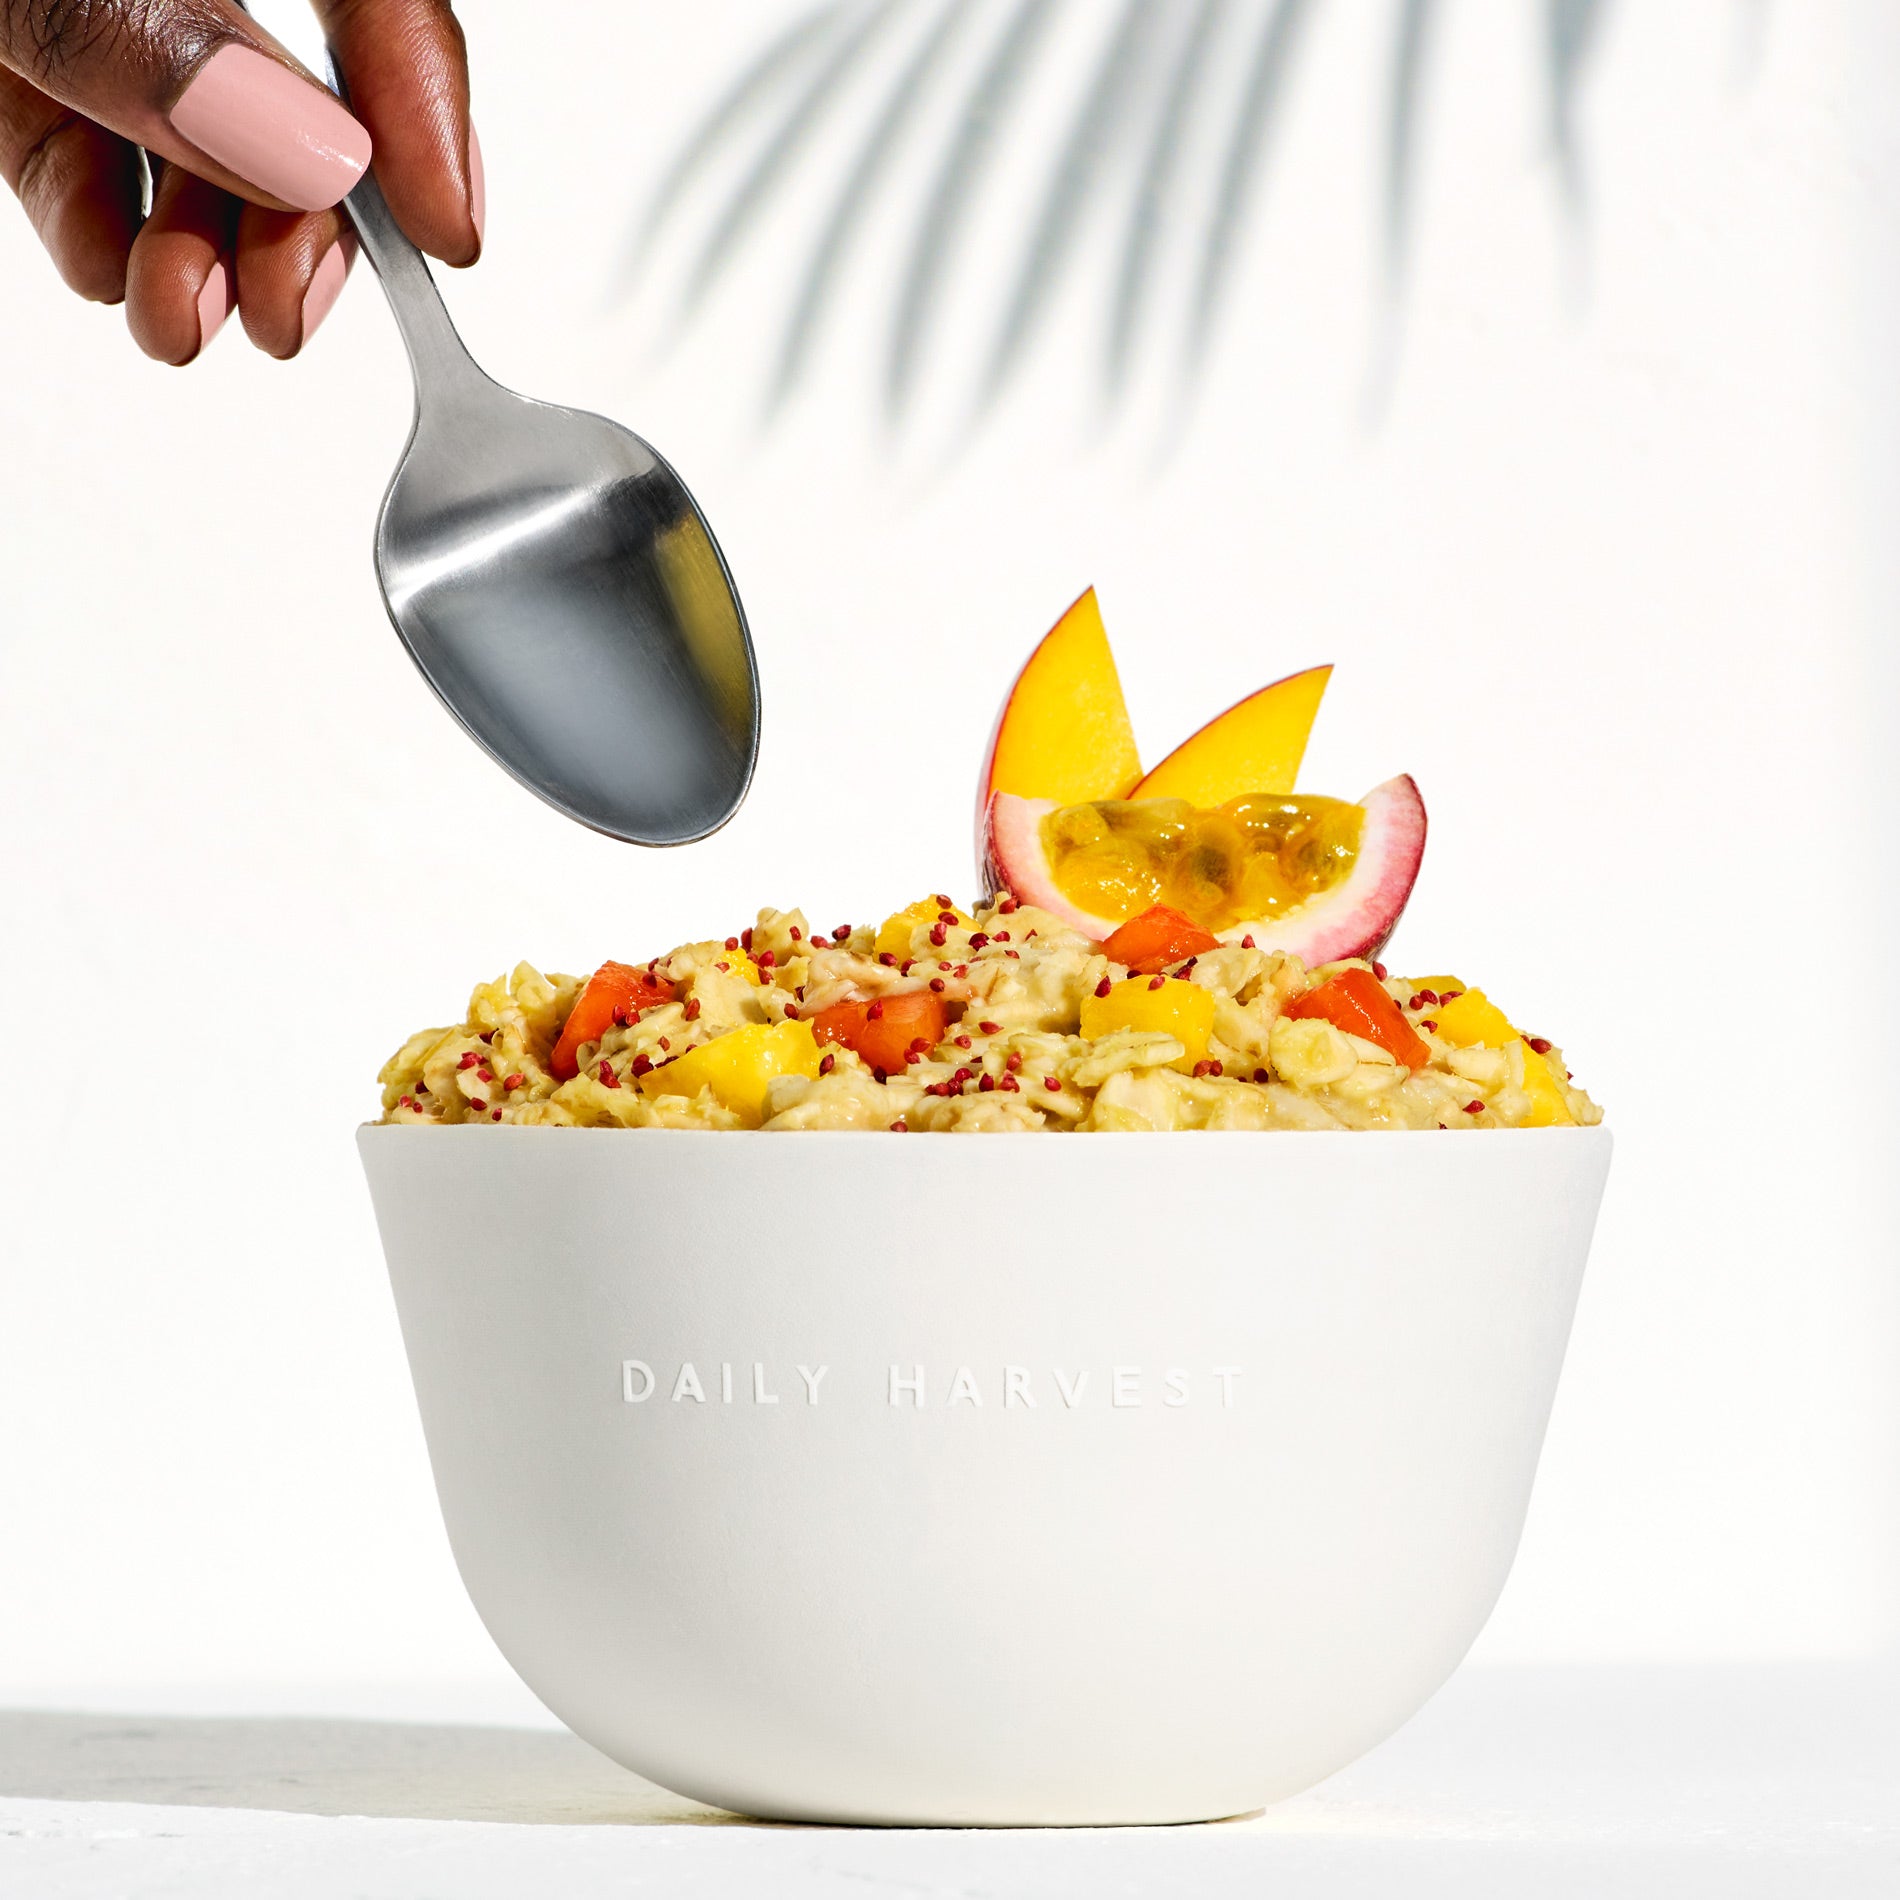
(1548, 1107)
(739, 1066)
(1474, 1021)
(895, 933)
(1182, 1010)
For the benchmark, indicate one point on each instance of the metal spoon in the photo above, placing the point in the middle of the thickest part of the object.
(557, 586)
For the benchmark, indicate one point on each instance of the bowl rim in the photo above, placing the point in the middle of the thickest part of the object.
(369, 1131)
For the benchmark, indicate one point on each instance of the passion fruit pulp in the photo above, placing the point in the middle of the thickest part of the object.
(1247, 861)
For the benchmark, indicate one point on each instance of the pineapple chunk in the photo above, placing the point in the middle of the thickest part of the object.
(1472, 1021)
(1184, 1011)
(740, 1066)
(894, 935)
(1548, 1107)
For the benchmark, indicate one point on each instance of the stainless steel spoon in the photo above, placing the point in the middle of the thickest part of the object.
(557, 586)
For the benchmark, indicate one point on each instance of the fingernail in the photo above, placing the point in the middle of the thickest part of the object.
(477, 184)
(325, 288)
(262, 121)
(215, 303)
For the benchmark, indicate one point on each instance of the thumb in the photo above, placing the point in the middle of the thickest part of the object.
(198, 83)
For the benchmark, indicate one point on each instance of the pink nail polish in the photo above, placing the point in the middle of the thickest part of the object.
(215, 303)
(477, 184)
(262, 121)
(325, 288)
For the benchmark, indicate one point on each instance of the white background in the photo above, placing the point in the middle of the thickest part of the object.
(1597, 525)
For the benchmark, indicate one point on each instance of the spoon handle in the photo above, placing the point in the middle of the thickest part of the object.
(437, 355)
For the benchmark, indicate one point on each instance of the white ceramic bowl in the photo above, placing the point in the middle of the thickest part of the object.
(1107, 1479)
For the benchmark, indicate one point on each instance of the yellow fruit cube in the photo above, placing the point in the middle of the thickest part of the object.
(894, 935)
(1548, 1107)
(739, 1066)
(1473, 1020)
(1184, 1011)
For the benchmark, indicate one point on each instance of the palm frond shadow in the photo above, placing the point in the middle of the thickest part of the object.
(1171, 136)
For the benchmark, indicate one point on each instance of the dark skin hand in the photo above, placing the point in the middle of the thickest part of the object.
(249, 155)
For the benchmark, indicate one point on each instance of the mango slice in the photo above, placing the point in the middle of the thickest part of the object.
(1064, 732)
(1256, 746)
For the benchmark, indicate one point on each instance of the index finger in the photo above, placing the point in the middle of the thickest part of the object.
(406, 65)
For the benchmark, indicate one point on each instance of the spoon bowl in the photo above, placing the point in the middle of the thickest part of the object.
(558, 587)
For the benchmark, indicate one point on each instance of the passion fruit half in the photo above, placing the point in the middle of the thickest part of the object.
(1317, 877)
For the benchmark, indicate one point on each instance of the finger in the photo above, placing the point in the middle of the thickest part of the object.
(290, 272)
(407, 68)
(80, 187)
(196, 82)
(182, 283)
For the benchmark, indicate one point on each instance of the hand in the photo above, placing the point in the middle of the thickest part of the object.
(249, 155)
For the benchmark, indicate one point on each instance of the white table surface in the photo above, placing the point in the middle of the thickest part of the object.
(1727, 1783)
